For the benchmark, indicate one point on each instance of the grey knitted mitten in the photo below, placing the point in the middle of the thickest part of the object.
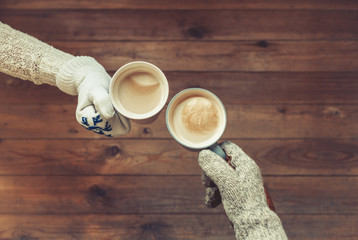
(242, 193)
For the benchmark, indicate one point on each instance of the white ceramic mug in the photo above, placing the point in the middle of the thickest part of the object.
(139, 91)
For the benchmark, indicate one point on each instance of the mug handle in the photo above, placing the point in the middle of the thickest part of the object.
(219, 151)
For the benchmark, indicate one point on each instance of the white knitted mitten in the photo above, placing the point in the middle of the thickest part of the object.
(242, 194)
(28, 58)
(87, 78)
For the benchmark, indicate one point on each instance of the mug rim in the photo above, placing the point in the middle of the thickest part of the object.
(177, 139)
(136, 116)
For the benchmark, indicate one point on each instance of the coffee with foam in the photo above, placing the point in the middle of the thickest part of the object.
(139, 92)
(196, 118)
(199, 115)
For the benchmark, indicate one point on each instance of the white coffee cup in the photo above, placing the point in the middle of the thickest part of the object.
(196, 119)
(139, 91)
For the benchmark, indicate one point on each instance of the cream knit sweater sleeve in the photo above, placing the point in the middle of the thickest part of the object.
(27, 58)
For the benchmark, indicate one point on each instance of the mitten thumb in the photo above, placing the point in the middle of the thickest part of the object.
(102, 102)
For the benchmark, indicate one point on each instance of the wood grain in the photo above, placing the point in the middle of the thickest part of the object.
(320, 227)
(15, 91)
(241, 88)
(313, 195)
(165, 194)
(107, 227)
(172, 25)
(100, 194)
(244, 121)
(258, 56)
(285, 70)
(170, 227)
(162, 157)
(179, 4)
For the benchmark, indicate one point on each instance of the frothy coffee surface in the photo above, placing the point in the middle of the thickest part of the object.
(196, 119)
(199, 115)
(139, 92)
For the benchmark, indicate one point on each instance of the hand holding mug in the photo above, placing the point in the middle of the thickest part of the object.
(196, 119)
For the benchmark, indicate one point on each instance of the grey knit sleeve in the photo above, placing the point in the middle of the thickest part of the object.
(28, 58)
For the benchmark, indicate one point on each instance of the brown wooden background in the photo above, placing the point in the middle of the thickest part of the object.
(286, 71)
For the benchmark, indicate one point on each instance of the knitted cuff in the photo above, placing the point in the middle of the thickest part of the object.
(28, 58)
(259, 224)
(72, 73)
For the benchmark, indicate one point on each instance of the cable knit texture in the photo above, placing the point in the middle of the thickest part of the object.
(28, 58)
(242, 194)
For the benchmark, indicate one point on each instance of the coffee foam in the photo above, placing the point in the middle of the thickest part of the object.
(139, 92)
(196, 119)
(142, 83)
(199, 115)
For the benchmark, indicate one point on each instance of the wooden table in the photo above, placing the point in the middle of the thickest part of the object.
(286, 72)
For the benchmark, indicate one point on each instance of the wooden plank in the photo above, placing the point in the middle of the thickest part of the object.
(99, 194)
(17, 91)
(163, 157)
(244, 121)
(232, 88)
(313, 195)
(168, 227)
(184, 25)
(303, 157)
(320, 227)
(48, 193)
(173, 227)
(96, 157)
(179, 4)
(259, 56)
(164, 194)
